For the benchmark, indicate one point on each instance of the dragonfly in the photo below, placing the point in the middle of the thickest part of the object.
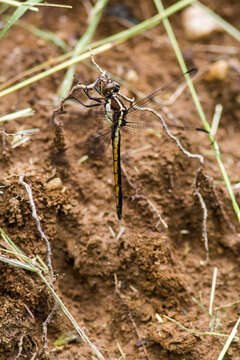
(116, 108)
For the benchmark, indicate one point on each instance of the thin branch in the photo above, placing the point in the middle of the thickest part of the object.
(35, 216)
(205, 214)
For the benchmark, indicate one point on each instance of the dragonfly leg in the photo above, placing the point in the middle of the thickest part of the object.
(103, 72)
(130, 100)
(98, 90)
(78, 86)
(85, 88)
(72, 97)
(97, 99)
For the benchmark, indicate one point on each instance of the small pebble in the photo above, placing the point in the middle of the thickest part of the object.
(197, 23)
(217, 71)
(54, 184)
(131, 76)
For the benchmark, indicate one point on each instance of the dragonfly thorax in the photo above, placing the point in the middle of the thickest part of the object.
(109, 112)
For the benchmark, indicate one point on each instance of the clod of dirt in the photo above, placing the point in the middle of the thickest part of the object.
(171, 339)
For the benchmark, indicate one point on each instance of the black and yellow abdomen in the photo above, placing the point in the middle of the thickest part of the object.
(116, 141)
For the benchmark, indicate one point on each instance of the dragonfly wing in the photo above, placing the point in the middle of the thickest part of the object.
(140, 125)
(153, 96)
(146, 125)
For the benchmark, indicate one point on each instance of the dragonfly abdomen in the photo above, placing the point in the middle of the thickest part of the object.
(116, 142)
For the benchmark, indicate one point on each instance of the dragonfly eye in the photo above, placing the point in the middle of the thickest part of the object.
(111, 87)
(116, 87)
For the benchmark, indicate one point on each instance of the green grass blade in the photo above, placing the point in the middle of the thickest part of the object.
(226, 179)
(93, 21)
(15, 16)
(18, 264)
(17, 114)
(168, 28)
(18, 4)
(10, 242)
(229, 340)
(167, 25)
(51, 5)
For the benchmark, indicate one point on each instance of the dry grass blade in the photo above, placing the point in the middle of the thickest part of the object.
(16, 15)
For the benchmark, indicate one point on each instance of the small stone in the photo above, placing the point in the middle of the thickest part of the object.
(217, 71)
(131, 76)
(54, 184)
(197, 23)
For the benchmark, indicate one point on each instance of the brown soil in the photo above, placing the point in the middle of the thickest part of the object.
(160, 270)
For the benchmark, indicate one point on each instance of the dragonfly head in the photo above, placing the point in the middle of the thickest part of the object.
(109, 87)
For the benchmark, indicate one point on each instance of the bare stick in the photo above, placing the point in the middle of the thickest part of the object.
(205, 213)
(213, 319)
(204, 222)
(123, 355)
(49, 260)
(214, 279)
(35, 216)
(45, 325)
(187, 153)
(20, 347)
